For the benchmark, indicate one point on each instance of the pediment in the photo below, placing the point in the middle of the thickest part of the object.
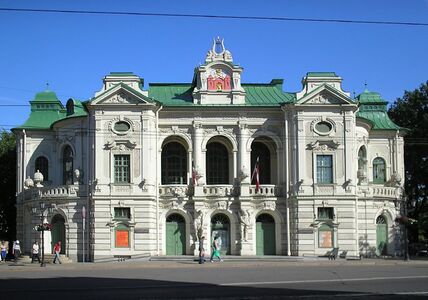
(121, 94)
(325, 95)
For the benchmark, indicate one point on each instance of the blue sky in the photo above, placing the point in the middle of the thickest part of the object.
(73, 51)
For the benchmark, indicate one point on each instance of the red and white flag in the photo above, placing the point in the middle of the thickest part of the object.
(256, 175)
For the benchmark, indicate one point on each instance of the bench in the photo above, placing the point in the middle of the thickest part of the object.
(333, 254)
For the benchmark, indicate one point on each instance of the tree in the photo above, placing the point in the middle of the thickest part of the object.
(411, 112)
(7, 186)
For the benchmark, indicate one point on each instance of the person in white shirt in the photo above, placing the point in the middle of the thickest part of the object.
(35, 252)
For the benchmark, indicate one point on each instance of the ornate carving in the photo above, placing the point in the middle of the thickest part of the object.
(267, 205)
(119, 98)
(322, 146)
(223, 55)
(121, 145)
(244, 219)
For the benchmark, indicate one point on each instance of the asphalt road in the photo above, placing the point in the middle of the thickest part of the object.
(228, 280)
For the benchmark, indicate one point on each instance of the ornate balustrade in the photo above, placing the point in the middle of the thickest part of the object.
(220, 191)
(266, 190)
(63, 191)
(385, 191)
(175, 190)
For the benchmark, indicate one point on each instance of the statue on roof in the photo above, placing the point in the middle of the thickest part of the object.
(218, 52)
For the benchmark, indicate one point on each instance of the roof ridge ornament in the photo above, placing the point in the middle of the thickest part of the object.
(218, 52)
(217, 44)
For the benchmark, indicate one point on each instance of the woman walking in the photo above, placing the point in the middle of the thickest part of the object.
(216, 250)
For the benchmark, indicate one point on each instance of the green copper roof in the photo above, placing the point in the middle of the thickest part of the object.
(321, 74)
(123, 74)
(368, 97)
(46, 96)
(180, 94)
(373, 108)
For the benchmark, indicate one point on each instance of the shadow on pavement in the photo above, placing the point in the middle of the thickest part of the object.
(81, 288)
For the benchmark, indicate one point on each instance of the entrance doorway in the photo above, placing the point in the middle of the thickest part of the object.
(220, 226)
(265, 235)
(381, 235)
(175, 235)
(58, 232)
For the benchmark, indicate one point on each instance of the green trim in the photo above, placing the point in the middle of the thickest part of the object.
(122, 74)
(257, 94)
(321, 74)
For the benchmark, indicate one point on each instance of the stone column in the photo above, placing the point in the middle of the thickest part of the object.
(244, 167)
(198, 163)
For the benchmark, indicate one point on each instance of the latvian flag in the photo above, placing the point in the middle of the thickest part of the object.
(256, 174)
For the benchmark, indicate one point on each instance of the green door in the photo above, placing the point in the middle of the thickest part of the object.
(58, 232)
(265, 235)
(220, 227)
(175, 235)
(381, 236)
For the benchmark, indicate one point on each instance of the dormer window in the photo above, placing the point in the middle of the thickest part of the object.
(70, 107)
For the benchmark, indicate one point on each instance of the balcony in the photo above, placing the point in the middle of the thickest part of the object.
(266, 190)
(175, 190)
(220, 191)
(63, 191)
(385, 192)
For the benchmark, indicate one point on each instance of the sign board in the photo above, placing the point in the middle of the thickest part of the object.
(122, 238)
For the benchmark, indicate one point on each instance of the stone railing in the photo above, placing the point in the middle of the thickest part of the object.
(266, 190)
(220, 191)
(176, 190)
(62, 191)
(385, 191)
(325, 189)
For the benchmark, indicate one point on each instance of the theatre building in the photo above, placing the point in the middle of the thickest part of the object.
(267, 171)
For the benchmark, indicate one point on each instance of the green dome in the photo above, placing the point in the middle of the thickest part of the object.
(367, 97)
(46, 96)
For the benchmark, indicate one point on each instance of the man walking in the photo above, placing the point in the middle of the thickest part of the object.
(57, 250)
(35, 252)
(201, 250)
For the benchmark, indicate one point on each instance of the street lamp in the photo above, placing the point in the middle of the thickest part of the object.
(42, 213)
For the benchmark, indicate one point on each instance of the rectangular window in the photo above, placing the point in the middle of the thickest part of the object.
(121, 169)
(123, 213)
(324, 168)
(325, 213)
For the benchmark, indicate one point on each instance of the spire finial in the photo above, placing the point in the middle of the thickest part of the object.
(365, 86)
(47, 86)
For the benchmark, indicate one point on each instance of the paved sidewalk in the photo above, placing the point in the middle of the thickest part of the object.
(229, 261)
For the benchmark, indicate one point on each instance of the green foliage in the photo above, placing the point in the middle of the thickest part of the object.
(7, 186)
(411, 112)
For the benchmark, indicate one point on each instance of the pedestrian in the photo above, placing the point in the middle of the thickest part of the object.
(3, 251)
(57, 250)
(216, 250)
(35, 252)
(16, 250)
(201, 250)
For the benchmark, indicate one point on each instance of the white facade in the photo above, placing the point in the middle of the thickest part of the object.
(320, 192)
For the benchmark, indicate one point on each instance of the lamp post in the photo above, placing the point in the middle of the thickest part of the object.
(42, 213)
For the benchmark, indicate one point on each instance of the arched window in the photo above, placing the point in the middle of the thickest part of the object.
(42, 165)
(380, 220)
(67, 165)
(261, 151)
(362, 165)
(379, 170)
(217, 162)
(174, 164)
